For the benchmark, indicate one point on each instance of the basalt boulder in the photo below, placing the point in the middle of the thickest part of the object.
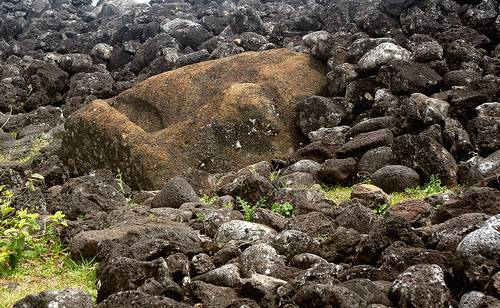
(208, 117)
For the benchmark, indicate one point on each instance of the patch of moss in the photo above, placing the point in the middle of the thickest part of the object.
(337, 193)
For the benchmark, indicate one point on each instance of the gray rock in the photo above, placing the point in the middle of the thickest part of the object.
(292, 242)
(426, 156)
(137, 299)
(215, 218)
(372, 194)
(360, 46)
(124, 274)
(225, 276)
(421, 286)
(363, 142)
(324, 295)
(296, 179)
(485, 241)
(102, 51)
(67, 298)
(260, 259)
(187, 32)
(484, 132)
(483, 167)
(337, 171)
(488, 109)
(313, 38)
(263, 285)
(316, 111)
(201, 263)
(242, 231)
(174, 193)
(408, 77)
(306, 260)
(381, 55)
(432, 110)
(251, 41)
(304, 165)
(340, 77)
(427, 51)
(393, 178)
(374, 159)
(476, 299)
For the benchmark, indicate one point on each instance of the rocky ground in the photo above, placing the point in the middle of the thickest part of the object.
(411, 93)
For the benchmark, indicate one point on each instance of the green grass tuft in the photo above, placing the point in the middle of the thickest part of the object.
(53, 272)
(433, 187)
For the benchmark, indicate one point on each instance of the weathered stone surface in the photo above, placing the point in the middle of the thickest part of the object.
(485, 241)
(56, 298)
(242, 231)
(422, 286)
(225, 113)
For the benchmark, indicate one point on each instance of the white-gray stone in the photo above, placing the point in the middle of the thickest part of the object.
(432, 110)
(484, 241)
(260, 259)
(242, 231)
(102, 51)
(381, 55)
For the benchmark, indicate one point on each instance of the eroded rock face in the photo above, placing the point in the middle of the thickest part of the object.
(225, 113)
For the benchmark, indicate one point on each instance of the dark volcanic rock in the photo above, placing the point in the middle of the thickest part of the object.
(124, 274)
(316, 112)
(337, 171)
(176, 192)
(366, 141)
(393, 178)
(407, 77)
(58, 298)
(421, 286)
(427, 157)
(382, 235)
(375, 159)
(137, 299)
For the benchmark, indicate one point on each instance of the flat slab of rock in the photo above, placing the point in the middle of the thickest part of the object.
(208, 117)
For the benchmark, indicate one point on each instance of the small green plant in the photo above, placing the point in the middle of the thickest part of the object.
(285, 209)
(35, 178)
(253, 170)
(41, 142)
(227, 205)
(275, 174)
(119, 180)
(20, 233)
(381, 208)
(200, 216)
(432, 187)
(322, 237)
(209, 200)
(248, 209)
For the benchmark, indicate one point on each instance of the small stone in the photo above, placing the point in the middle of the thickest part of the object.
(102, 51)
(371, 193)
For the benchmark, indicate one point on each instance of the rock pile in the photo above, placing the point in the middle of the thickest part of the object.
(411, 92)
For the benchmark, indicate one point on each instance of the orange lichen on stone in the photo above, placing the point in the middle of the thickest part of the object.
(208, 117)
